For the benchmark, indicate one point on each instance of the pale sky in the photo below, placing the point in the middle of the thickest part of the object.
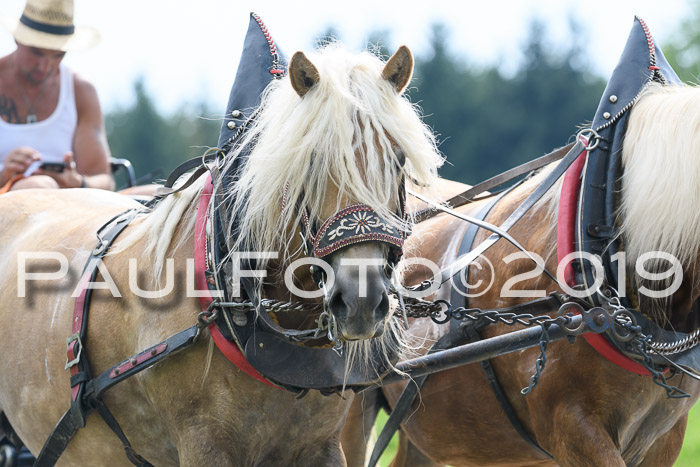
(189, 49)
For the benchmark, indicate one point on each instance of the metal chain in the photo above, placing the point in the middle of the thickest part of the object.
(688, 342)
(416, 308)
(623, 327)
(640, 345)
(539, 364)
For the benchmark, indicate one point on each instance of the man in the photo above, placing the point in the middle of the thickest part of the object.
(52, 132)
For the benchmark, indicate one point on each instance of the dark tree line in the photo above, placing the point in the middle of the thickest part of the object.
(156, 144)
(486, 121)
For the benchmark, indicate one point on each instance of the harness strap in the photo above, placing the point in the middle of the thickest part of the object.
(503, 401)
(473, 335)
(94, 389)
(456, 334)
(493, 182)
(79, 409)
(464, 260)
(114, 426)
(59, 439)
(198, 163)
(451, 339)
(139, 362)
(398, 413)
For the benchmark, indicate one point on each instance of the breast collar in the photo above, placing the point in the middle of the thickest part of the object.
(595, 229)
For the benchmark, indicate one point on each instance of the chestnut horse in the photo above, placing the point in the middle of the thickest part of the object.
(336, 131)
(586, 410)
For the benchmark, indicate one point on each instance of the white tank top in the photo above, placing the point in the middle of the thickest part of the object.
(52, 137)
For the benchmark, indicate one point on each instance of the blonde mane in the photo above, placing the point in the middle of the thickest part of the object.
(347, 133)
(660, 208)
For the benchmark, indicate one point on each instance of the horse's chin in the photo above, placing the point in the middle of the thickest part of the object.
(354, 333)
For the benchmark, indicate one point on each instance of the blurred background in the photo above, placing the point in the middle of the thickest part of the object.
(499, 82)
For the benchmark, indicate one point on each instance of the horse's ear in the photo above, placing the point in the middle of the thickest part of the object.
(302, 73)
(399, 69)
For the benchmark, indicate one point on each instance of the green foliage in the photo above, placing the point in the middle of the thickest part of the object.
(488, 122)
(683, 51)
(390, 451)
(155, 144)
(690, 454)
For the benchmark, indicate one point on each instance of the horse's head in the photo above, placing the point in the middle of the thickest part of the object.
(332, 146)
(360, 246)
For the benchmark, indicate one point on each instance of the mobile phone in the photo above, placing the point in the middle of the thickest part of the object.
(57, 167)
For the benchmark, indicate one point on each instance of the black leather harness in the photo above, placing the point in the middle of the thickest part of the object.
(275, 352)
(87, 391)
(641, 63)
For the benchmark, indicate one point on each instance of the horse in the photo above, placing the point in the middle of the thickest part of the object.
(586, 410)
(335, 131)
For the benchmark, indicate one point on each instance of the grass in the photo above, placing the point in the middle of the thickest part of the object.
(689, 457)
(390, 450)
(690, 454)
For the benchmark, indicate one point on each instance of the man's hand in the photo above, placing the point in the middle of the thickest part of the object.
(69, 178)
(17, 162)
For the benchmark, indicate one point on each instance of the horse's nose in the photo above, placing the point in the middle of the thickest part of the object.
(350, 306)
(358, 316)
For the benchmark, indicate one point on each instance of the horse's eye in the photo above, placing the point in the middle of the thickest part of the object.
(400, 156)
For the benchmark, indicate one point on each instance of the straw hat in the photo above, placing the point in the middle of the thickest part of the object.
(48, 24)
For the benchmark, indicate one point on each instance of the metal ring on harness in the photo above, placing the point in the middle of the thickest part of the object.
(207, 317)
(626, 325)
(565, 313)
(588, 134)
(448, 312)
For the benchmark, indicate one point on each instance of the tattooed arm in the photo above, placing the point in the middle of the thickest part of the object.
(19, 159)
(8, 110)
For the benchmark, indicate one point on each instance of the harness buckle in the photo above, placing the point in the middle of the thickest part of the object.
(74, 338)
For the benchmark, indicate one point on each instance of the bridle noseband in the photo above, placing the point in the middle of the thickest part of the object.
(351, 225)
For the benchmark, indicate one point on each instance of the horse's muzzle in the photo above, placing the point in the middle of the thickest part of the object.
(359, 317)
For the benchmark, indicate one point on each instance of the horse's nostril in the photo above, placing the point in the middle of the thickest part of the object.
(383, 308)
(338, 306)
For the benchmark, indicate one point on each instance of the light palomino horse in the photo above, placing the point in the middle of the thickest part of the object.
(585, 410)
(334, 132)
